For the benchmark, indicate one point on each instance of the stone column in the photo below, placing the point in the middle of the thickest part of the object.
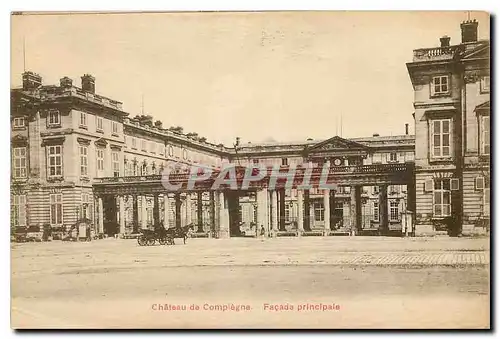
(100, 225)
(355, 209)
(188, 209)
(121, 202)
(262, 217)
(166, 211)
(281, 209)
(156, 210)
(274, 212)
(213, 212)
(178, 204)
(326, 211)
(144, 212)
(224, 216)
(307, 211)
(135, 215)
(332, 209)
(300, 211)
(383, 210)
(199, 211)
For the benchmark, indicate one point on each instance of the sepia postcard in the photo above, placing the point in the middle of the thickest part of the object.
(250, 170)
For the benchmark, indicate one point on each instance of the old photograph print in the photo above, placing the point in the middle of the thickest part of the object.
(250, 170)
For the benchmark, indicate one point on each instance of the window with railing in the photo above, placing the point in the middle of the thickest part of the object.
(115, 162)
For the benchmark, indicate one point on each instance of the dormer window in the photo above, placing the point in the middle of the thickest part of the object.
(54, 118)
(440, 85)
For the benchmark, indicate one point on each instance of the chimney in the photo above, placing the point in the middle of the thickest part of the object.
(407, 128)
(469, 31)
(31, 81)
(88, 83)
(445, 41)
(66, 82)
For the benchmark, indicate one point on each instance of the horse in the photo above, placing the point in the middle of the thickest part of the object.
(179, 232)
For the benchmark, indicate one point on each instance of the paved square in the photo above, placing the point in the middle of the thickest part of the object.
(382, 282)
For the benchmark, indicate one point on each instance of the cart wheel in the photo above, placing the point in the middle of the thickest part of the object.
(170, 241)
(162, 240)
(151, 242)
(142, 241)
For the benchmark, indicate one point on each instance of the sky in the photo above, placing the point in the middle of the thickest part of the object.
(260, 76)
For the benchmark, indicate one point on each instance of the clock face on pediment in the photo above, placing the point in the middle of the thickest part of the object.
(337, 161)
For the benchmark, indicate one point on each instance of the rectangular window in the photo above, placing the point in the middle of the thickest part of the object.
(442, 198)
(115, 159)
(377, 158)
(134, 142)
(152, 147)
(83, 120)
(376, 212)
(100, 161)
(393, 157)
(161, 149)
(486, 202)
(18, 122)
(287, 212)
(55, 161)
(19, 155)
(485, 135)
(440, 85)
(56, 210)
(319, 211)
(99, 124)
(485, 84)
(144, 145)
(410, 156)
(18, 210)
(54, 118)
(255, 161)
(394, 210)
(84, 161)
(441, 138)
(284, 162)
(115, 128)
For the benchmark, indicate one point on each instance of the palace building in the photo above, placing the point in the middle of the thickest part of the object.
(452, 123)
(74, 152)
(77, 155)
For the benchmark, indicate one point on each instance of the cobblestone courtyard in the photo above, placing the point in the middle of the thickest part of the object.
(378, 282)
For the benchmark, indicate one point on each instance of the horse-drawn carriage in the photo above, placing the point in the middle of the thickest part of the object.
(163, 235)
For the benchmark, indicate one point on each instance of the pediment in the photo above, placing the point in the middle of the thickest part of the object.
(19, 139)
(481, 52)
(483, 108)
(101, 142)
(337, 144)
